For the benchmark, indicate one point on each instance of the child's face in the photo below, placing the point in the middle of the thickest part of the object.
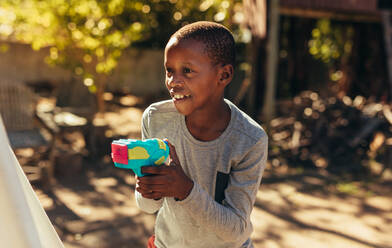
(191, 77)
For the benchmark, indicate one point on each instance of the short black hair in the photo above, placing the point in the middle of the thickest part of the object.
(217, 39)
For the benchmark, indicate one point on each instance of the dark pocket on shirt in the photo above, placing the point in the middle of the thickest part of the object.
(222, 180)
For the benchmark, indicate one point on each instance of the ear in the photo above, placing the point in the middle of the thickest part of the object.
(226, 74)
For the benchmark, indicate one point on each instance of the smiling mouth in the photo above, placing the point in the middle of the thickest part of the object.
(180, 97)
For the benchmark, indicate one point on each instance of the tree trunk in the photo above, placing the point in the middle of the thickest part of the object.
(272, 62)
(101, 85)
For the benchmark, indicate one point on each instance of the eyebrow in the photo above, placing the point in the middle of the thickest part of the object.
(186, 64)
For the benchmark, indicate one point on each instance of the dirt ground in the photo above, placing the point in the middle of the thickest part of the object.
(96, 208)
(306, 210)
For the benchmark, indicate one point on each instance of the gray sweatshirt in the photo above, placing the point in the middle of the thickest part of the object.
(226, 173)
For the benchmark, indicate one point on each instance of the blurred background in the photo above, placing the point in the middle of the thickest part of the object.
(317, 75)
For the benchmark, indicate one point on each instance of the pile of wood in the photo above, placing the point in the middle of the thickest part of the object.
(340, 135)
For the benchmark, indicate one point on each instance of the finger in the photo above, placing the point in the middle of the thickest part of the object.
(154, 170)
(152, 195)
(153, 180)
(148, 195)
(148, 190)
(154, 190)
(158, 188)
(143, 191)
(173, 153)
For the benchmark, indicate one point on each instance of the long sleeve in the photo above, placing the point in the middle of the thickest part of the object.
(232, 218)
(149, 206)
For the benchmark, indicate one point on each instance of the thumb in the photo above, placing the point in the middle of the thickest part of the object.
(173, 153)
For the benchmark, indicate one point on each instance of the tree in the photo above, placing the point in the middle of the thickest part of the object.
(333, 44)
(89, 36)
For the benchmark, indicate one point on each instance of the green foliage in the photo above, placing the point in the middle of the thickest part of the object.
(347, 188)
(331, 42)
(89, 36)
(86, 37)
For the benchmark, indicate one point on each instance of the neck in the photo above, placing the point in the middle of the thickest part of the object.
(210, 124)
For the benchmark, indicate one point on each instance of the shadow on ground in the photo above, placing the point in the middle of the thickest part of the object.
(97, 209)
(315, 210)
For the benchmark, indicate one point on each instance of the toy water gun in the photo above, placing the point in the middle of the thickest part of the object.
(134, 154)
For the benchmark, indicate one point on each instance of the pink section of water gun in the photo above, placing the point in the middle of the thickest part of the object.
(120, 153)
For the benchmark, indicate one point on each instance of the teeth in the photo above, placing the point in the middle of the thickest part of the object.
(176, 96)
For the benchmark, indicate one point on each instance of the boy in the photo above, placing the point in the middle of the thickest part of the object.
(206, 195)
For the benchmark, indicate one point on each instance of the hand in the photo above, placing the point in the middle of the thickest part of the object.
(165, 181)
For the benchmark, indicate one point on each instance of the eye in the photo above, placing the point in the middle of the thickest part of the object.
(169, 72)
(187, 70)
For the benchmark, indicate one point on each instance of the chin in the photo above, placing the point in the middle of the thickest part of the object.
(182, 109)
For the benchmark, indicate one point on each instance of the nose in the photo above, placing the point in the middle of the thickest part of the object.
(174, 81)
